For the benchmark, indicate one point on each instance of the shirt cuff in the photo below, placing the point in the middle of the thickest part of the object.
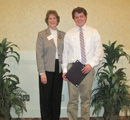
(42, 73)
(65, 70)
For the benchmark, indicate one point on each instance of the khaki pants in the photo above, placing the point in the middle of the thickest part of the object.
(84, 91)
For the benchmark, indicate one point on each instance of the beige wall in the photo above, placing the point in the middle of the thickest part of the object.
(21, 20)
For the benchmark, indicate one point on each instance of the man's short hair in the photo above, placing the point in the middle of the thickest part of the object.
(54, 13)
(79, 10)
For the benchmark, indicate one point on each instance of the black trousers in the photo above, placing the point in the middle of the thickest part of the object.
(50, 94)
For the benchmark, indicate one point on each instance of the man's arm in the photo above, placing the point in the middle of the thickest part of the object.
(98, 50)
(65, 56)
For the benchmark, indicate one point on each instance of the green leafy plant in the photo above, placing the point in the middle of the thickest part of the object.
(112, 92)
(11, 95)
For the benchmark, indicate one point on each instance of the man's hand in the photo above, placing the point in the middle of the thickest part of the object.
(86, 69)
(64, 77)
(44, 78)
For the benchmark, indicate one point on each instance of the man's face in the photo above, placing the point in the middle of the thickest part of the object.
(80, 19)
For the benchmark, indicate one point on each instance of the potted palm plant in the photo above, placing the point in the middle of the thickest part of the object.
(11, 95)
(112, 93)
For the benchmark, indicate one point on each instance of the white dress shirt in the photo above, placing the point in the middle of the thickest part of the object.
(72, 51)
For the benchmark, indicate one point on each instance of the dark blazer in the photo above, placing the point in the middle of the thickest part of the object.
(46, 51)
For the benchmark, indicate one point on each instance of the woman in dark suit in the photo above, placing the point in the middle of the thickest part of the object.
(49, 49)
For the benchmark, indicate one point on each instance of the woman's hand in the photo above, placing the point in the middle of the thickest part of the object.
(44, 78)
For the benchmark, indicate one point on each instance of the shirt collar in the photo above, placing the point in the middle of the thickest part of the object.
(83, 27)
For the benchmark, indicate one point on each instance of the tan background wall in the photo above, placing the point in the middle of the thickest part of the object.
(21, 20)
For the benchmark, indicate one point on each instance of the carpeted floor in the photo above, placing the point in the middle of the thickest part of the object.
(60, 119)
(92, 118)
(99, 118)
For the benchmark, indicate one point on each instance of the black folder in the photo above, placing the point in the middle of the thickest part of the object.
(74, 74)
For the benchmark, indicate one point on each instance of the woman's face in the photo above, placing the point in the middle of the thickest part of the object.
(52, 21)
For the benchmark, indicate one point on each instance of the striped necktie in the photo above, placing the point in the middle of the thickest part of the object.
(82, 46)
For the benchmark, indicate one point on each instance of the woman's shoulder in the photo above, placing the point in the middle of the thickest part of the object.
(43, 32)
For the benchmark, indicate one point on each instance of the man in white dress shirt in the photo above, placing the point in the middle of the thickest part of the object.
(71, 53)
